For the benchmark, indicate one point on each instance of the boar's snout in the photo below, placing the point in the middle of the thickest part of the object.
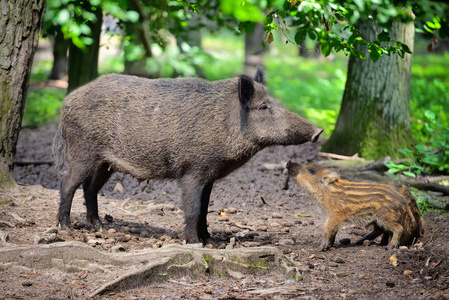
(316, 135)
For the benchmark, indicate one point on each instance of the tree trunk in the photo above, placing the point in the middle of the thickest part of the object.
(374, 118)
(20, 25)
(60, 47)
(83, 65)
(253, 49)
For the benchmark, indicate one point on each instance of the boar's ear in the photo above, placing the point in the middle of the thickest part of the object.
(260, 75)
(246, 90)
(330, 177)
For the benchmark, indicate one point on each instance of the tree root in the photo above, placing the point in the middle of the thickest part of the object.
(153, 265)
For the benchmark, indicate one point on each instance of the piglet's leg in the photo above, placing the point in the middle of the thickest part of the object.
(397, 232)
(330, 231)
(377, 231)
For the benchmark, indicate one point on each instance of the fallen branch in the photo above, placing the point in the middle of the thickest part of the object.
(342, 157)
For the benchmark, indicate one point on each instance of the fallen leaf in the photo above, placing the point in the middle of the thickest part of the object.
(393, 260)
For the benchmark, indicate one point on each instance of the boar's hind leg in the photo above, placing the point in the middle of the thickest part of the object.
(70, 181)
(91, 187)
(195, 198)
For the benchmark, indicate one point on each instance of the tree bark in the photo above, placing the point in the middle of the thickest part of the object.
(60, 47)
(83, 65)
(20, 25)
(374, 119)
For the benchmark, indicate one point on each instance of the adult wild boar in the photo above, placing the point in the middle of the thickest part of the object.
(189, 129)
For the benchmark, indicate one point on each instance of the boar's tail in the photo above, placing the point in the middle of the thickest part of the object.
(59, 148)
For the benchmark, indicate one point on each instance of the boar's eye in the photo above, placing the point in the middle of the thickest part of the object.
(311, 170)
(263, 106)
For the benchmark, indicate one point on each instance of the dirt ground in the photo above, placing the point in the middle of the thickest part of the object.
(140, 217)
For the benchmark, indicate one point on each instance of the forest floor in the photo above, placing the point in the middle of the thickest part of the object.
(143, 222)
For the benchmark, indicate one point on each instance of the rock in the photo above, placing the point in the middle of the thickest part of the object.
(366, 243)
(98, 234)
(94, 242)
(285, 224)
(27, 283)
(119, 189)
(341, 274)
(408, 272)
(403, 249)
(111, 231)
(333, 264)
(231, 244)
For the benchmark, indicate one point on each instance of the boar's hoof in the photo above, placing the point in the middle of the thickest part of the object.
(64, 222)
(95, 223)
(210, 241)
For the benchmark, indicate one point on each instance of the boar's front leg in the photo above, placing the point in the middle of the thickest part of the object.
(203, 234)
(195, 201)
(91, 187)
(330, 231)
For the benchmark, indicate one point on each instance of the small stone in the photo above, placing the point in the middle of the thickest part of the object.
(108, 218)
(208, 290)
(403, 249)
(311, 222)
(285, 224)
(135, 230)
(118, 248)
(339, 260)
(232, 210)
(27, 283)
(298, 222)
(98, 234)
(333, 264)
(262, 228)
(276, 215)
(165, 237)
(126, 228)
(51, 230)
(341, 274)
(231, 244)
(228, 231)
(304, 223)
(275, 224)
(286, 242)
(408, 272)
(111, 231)
(366, 243)
(209, 246)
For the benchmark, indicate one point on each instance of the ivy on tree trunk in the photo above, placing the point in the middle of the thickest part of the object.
(374, 119)
(20, 25)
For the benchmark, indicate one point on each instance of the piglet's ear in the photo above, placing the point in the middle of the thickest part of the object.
(246, 90)
(260, 75)
(329, 178)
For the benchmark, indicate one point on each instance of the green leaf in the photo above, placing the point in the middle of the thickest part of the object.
(326, 49)
(300, 36)
(393, 170)
(410, 174)
(63, 17)
(383, 37)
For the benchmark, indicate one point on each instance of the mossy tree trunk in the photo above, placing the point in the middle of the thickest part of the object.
(20, 25)
(83, 64)
(374, 119)
(60, 47)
